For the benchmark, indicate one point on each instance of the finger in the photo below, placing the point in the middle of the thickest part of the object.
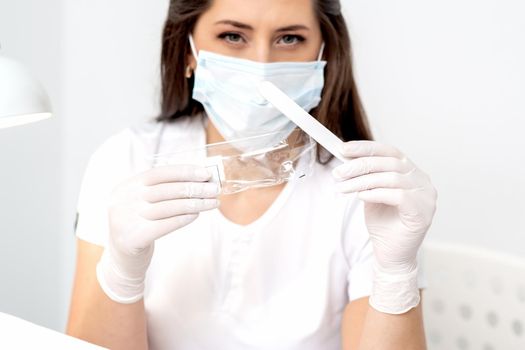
(161, 228)
(176, 173)
(388, 196)
(179, 190)
(367, 165)
(167, 209)
(356, 149)
(372, 181)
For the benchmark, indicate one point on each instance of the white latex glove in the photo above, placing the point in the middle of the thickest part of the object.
(143, 209)
(400, 202)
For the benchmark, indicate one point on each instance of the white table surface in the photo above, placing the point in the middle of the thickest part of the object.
(16, 333)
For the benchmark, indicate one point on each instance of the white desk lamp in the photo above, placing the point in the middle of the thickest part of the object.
(22, 98)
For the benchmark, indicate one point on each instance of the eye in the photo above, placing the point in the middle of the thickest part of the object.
(233, 38)
(290, 39)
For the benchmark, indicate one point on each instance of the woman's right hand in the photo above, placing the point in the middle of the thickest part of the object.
(143, 209)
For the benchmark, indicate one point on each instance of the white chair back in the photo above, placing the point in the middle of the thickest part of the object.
(475, 298)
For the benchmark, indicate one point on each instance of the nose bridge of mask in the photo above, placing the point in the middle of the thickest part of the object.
(196, 55)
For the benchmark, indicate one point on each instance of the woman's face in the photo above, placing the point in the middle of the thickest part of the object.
(260, 30)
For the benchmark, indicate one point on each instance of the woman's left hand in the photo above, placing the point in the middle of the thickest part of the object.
(400, 201)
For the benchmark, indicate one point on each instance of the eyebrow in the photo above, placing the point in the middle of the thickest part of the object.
(248, 27)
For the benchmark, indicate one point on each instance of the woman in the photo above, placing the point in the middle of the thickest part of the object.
(292, 266)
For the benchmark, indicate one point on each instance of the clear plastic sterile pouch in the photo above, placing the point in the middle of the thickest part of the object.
(257, 161)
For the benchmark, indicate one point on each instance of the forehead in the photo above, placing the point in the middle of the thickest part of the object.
(263, 13)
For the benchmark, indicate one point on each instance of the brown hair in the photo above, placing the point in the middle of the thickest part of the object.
(340, 109)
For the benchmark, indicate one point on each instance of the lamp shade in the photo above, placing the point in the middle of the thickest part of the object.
(22, 99)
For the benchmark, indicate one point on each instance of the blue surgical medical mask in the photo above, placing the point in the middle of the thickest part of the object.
(227, 88)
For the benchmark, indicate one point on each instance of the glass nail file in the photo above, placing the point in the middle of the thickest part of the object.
(301, 118)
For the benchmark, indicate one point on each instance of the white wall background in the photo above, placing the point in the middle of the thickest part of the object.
(444, 81)
(31, 282)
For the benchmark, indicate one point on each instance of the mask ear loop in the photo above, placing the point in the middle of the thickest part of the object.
(321, 52)
(189, 69)
(193, 49)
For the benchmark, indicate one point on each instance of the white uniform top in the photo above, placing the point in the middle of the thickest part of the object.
(281, 282)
